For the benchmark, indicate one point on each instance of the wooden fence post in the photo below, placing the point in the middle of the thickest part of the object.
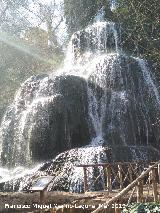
(130, 173)
(140, 191)
(85, 179)
(42, 197)
(120, 176)
(158, 173)
(105, 178)
(109, 178)
(117, 208)
(154, 185)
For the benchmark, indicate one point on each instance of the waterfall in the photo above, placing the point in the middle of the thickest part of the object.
(113, 4)
(101, 98)
(148, 79)
(96, 39)
(100, 15)
(101, 37)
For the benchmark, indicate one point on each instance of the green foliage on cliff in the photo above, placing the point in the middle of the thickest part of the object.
(140, 24)
(80, 13)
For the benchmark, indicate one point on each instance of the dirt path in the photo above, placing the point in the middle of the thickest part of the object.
(29, 202)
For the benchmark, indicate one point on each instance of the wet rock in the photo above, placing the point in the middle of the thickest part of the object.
(48, 116)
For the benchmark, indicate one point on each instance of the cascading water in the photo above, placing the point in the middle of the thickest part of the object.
(113, 4)
(102, 98)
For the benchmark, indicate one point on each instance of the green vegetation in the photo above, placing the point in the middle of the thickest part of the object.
(140, 28)
(22, 58)
(143, 208)
(25, 49)
(80, 13)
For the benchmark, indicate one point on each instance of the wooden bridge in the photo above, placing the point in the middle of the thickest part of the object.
(124, 182)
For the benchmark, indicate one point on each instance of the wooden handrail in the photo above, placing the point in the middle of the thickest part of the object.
(115, 163)
(128, 188)
(120, 172)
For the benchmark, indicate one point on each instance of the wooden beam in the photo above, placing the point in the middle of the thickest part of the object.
(109, 178)
(117, 209)
(42, 197)
(85, 179)
(112, 164)
(154, 185)
(130, 173)
(140, 191)
(105, 178)
(158, 173)
(120, 175)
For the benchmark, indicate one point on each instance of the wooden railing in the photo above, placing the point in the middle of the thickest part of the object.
(143, 187)
(112, 175)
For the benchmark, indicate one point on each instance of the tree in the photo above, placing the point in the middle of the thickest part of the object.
(140, 24)
(25, 48)
(79, 13)
(12, 18)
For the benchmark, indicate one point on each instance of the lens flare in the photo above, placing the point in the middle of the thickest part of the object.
(21, 46)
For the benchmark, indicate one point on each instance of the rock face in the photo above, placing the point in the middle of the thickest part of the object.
(128, 102)
(48, 116)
